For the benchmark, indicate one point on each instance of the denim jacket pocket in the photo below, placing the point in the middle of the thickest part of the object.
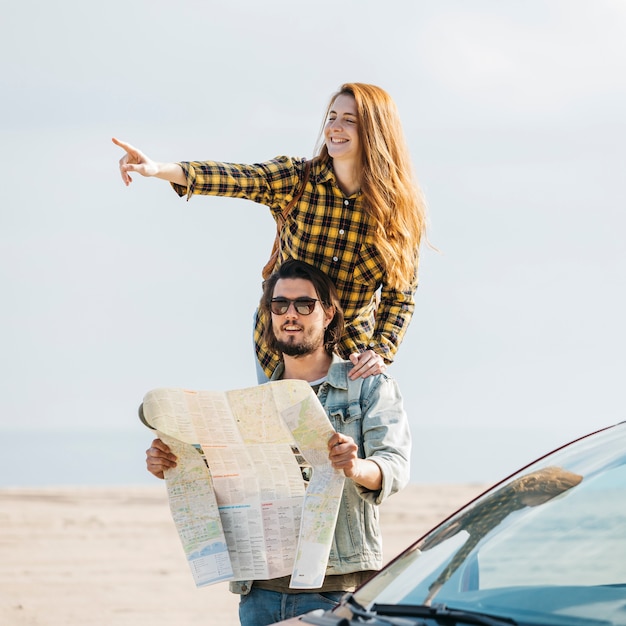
(347, 420)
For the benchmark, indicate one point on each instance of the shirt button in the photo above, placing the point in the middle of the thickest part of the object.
(341, 231)
(335, 258)
(346, 202)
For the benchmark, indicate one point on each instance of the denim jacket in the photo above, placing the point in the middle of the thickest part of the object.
(370, 410)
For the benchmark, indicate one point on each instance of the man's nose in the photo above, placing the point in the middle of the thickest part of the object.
(291, 311)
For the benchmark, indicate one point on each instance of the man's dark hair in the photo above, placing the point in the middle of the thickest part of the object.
(326, 294)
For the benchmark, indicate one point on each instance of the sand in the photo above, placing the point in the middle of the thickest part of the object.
(111, 556)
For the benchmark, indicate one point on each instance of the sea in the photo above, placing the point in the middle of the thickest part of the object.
(41, 458)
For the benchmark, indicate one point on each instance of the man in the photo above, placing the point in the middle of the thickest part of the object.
(371, 444)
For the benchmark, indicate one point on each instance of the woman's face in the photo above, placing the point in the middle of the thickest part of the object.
(341, 129)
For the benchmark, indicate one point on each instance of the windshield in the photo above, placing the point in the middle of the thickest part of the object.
(546, 547)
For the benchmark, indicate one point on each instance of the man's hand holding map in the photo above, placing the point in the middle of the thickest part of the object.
(247, 513)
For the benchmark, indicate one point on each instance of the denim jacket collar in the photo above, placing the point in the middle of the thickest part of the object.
(336, 377)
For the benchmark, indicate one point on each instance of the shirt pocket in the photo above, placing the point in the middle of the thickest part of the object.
(369, 268)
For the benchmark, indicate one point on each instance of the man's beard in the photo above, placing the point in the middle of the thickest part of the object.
(307, 346)
(292, 349)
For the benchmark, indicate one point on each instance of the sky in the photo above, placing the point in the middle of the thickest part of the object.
(514, 115)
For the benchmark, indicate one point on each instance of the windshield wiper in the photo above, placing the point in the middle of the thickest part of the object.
(441, 613)
(393, 614)
(362, 615)
(373, 617)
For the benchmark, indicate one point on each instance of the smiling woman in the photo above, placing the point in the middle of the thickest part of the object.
(342, 142)
(360, 217)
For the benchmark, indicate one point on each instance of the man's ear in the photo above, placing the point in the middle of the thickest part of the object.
(329, 316)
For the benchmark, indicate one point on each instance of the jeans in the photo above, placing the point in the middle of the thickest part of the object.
(262, 607)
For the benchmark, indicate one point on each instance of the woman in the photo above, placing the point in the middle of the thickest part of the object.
(360, 218)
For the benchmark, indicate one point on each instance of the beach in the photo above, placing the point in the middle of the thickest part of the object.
(110, 556)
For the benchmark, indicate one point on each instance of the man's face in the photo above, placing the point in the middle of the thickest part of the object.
(298, 334)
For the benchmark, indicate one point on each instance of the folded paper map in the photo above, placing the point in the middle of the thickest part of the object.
(253, 495)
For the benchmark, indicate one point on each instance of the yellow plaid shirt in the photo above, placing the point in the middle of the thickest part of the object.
(327, 230)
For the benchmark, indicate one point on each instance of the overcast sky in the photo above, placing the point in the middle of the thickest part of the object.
(514, 113)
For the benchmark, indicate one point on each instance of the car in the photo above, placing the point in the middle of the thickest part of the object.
(544, 547)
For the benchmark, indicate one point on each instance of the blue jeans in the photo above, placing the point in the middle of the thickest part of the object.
(262, 607)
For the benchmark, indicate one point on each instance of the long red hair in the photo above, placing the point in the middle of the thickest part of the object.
(389, 188)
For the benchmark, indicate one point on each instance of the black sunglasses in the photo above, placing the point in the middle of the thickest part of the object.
(303, 306)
